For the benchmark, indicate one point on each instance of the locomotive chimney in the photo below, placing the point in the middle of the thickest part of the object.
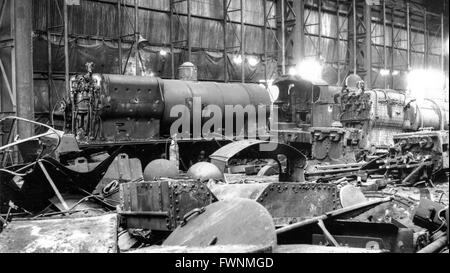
(187, 72)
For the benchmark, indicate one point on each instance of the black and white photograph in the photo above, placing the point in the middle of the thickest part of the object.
(217, 128)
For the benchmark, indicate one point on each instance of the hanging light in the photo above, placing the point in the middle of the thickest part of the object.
(252, 61)
(384, 72)
(163, 53)
(292, 71)
(237, 59)
(310, 70)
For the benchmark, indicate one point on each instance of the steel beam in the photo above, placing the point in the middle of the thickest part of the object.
(368, 53)
(188, 30)
(299, 31)
(23, 28)
(384, 42)
(242, 38)
(265, 40)
(49, 59)
(408, 35)
(442, 44)
(66, 46)
(281, 34)
(225, 40)
(119, 34)
(136, 38)
(425, 39)
(355, 40)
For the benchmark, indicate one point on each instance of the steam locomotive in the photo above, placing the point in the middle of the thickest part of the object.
(138, 113)
(326, 123)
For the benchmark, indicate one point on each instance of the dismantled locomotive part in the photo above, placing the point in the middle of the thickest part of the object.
(122, 169)
(399, 211)
(320, 172)
(29, 148)
(431, 144)
(302, 104)
(204, 171)
(405, 169)
(251, 149)
(160, 168)
(335, 145)
(287, 202)
(426, 113)
(309, 249)
(62, 235)
(430, 215)
(120, 108)
(351, 195)
(341, 213)
(379, 113)
(238, 225)
(47, 178)
(161, 205)
(336, 229)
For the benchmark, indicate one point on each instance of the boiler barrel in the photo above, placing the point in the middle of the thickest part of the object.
(427, 114)
(211, 93)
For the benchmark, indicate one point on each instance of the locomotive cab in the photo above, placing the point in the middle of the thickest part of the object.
(304, 104)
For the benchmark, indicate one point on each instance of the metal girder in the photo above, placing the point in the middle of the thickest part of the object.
(361, 43)
(240, 38)
(175, 13)
(9, 81)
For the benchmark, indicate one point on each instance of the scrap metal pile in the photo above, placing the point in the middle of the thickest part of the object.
(331, 185)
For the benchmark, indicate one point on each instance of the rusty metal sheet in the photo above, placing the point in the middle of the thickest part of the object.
(231, 222)
(230, 191)
(36, 189)
(246, 149)
(63, 235)
(221, 157)
(290, 203)
(160, 205)
(400, 210)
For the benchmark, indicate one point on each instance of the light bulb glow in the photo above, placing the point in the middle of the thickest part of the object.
(385, 72)
(423, 83)
(252, 61)
(237, 59)
(309, 70)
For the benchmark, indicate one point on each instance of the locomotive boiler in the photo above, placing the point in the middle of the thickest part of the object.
(120, 109)
(426, 114)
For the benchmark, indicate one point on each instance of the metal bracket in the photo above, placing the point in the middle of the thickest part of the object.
(190, 214)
